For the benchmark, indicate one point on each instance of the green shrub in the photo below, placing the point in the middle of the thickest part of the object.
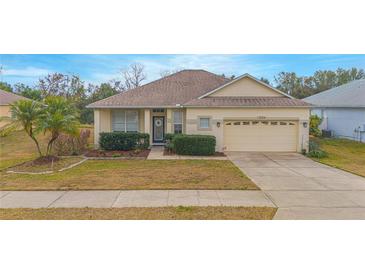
(124, 140)
(169, 144)
(314, 123)
(194, 144)
(315, 151)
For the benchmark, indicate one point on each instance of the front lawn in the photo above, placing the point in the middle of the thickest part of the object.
(344, 154)
(157, 213)
(18, 147)
(135, 174)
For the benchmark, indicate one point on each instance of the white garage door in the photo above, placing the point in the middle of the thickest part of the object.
(260, 135)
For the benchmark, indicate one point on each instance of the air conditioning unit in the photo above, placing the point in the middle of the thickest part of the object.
(326, 133)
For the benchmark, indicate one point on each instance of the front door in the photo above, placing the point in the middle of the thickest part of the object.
(158, 129)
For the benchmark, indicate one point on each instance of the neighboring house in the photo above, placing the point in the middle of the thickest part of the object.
(342, 110)
(7, 98)
(243, 114)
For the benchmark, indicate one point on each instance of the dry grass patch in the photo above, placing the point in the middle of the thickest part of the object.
(31, 166)
(18, 147)
(157, 213)
(344, 154)
(135, 174)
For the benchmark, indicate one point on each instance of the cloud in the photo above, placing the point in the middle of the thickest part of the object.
(26, 72)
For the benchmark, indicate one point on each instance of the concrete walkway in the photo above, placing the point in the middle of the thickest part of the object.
(156, 153)
(302, 188)
(132, 198)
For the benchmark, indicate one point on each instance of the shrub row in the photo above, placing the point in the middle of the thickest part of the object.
(191, 144)
(124, 140)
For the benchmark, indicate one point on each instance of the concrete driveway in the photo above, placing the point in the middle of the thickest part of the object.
(302, 188)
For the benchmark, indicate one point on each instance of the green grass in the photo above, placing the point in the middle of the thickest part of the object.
(344, 154)
(135, 174)
(134, 213)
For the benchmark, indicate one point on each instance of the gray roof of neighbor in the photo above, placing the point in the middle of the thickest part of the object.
(348, 95)
(7, 98)
(184, 88)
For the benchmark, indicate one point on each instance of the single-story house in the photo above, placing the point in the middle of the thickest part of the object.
(6, 99)
(243, 114)
(342, 110)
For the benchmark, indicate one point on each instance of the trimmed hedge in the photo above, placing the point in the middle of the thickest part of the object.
(124, 140)
(194, 144)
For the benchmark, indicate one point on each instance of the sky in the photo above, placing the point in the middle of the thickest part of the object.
(98, 68)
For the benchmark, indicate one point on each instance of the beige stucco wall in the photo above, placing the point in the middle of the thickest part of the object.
(245, 87)
(102, 123)
(220, 114)
(4, 112)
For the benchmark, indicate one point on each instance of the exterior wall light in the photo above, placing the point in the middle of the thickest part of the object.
(218, 124)
(305, 124)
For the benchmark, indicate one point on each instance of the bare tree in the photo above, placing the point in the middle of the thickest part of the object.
(133, 76)
(164, 73)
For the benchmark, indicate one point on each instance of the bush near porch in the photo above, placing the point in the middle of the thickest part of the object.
(202, 145)
(124, 140)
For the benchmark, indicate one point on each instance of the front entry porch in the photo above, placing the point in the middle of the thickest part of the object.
(154, 121)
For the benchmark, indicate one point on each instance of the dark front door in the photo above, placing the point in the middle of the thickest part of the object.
(158, 129)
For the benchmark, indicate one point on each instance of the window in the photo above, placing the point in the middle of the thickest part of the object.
(125, 120)
(245, 123)
(254, 122)
(236, 123)
(274, 123)
(204, 123)
(177, 121)
(156, 110)
(265, 123)
(282, 123)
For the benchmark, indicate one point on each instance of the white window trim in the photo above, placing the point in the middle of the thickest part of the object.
(210, 123)
(173, 120)
(125, 120)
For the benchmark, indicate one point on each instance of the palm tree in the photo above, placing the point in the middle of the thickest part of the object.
(27, 113)
(59, 117)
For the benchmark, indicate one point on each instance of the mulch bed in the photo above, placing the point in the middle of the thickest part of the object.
(117, 153)
(43, 160)
(167, 152)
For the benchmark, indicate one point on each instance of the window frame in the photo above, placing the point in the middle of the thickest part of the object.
(179, 124)
(209, 123)
(125, 123)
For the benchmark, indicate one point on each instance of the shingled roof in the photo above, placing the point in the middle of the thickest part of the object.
(7, 98)
(247, 102)
(168, 91)
(184, 88)
(350, 95)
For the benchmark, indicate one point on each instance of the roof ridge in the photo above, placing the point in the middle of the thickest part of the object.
(157, 80)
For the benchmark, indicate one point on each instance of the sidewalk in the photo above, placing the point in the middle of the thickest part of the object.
(133, 198)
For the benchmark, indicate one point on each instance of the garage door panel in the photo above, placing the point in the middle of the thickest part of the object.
(260, 135)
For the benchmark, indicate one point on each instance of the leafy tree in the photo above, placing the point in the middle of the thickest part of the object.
(6, 87)
(302, 86)
(28, 92)
(59, 117)
(265, 80)
(314, 123)
(27, 113)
